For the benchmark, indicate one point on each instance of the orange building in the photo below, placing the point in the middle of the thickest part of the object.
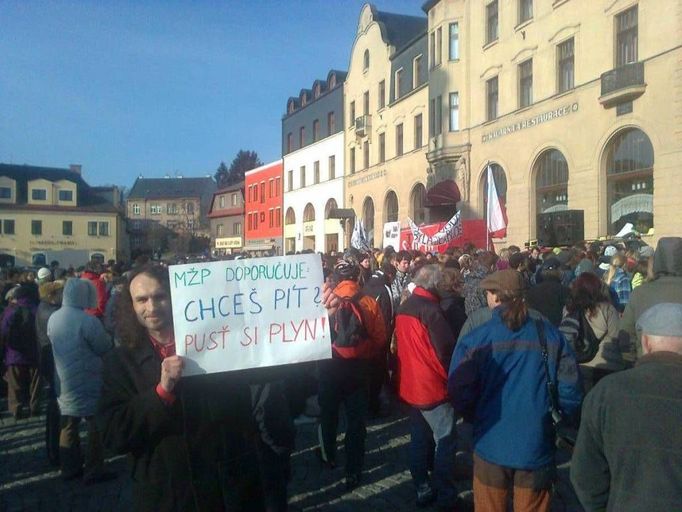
(263, 209)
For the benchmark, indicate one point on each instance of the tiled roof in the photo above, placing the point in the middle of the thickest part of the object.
(87, 199)
(174, 188)
(400, 29)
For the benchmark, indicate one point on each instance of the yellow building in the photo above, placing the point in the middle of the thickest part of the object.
(51, 214)
(386, 120)
(575, 104)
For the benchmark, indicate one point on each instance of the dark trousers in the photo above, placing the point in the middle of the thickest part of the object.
(433, 438)
(275, 472)
(52, 427)
(378, 376)
(23, 390)
(344, 381)
(70, 457)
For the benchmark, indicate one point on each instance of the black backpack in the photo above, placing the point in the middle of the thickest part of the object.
(347, 325)
(585, 343)
(21, 335)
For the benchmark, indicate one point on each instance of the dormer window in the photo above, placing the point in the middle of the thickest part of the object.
(66, 195)
(332, 81)
(39, 194)
(291, 107)
(317, 90)
(5, 192)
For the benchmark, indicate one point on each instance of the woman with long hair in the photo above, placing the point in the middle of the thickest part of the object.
(590, 301)
(499, 382)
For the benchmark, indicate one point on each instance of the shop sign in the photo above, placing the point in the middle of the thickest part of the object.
(228, 243)
(370, 177)
(309, 227)
(530, 122)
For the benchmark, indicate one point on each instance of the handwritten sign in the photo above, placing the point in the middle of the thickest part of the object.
(233, 315)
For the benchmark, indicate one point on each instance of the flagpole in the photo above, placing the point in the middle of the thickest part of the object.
(487, 207)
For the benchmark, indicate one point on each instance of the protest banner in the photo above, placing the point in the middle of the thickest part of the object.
(392, 235)
(250, 313)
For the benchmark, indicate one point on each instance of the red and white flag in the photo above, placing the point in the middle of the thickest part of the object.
(497, 224)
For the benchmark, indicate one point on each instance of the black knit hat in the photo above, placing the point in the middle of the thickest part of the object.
(346, 270)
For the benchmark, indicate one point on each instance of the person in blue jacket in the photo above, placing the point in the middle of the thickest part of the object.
(497, 381)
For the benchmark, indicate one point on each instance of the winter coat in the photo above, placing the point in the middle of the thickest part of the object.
(454, 311)
(78, 343)
(45, 356)
(198, 453)
(425, 344)
(372, 320)
(19, 352)
(667, 287)
(549, 298)
(474, 295)
(377, 288)
(497, 382)
(628, 457)
(102, 294)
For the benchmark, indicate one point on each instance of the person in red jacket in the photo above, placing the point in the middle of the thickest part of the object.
(425, 345)
(92, 273)
(345, 377)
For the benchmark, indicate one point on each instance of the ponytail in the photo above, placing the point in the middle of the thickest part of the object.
(514, 309)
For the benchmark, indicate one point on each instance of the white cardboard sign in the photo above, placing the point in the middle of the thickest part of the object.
(250, 313)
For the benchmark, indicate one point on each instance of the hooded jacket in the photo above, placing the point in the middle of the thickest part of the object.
(102, 296)
(666, 287)
(78, 342)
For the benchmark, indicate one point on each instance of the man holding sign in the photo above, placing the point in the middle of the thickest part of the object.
(192, 442)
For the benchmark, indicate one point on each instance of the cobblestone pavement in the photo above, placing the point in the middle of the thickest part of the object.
(28, 483)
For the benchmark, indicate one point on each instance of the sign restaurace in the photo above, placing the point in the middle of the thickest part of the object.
(530, 122)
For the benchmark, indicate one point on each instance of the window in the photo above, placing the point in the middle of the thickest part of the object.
(66, 195)
(526, 83)
(525, 10)
(172, 209)
(155, 209)
(351, 113)
(39, 194)
(551, 182)
(398, 83)
(237, 228)
(301, 136)
(454, 111)
(290, 178)
(316, 130)
(222, 202)
(382, 148)
(5, 193)
(271, 218)
(365, 154)
(630, 181)
(416, 71)
(565, 72)
(219, 230)
(391, 207)
(491, 22)
(432, 48)
(352, 161)
(136, 209)
(271, 188)
(439, 115)
(301, 176)
(249, 222)
(331, 123)
(626, 37)
(500, 185)
(316, 172)
(439, 46)
(8, 226)
(137, 224)
(365, 60)
(382, 94)
(432, 117)
(308, 213)
(399, 139)
(92, 228)
(278, 216)
(234, 199)
(491, 93)
(417, 200)
(290, 217)
(365, 103)
(262, 191)
(454, 41)
(418, 131)
(190, 208)
(278, 186)
(290, 142)
(368, 217)
(332, 167)
(67, 227)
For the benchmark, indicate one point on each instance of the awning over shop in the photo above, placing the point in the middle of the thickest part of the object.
(442, 194)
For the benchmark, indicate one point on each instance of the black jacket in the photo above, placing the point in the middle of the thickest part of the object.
(378, 289)
(549, 298)
(454, 311)
(628, 457)
(198, 453)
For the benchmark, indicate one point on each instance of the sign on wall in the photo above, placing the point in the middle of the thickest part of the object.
(233, 315)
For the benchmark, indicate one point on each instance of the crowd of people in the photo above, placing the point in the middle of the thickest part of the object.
(507, 342)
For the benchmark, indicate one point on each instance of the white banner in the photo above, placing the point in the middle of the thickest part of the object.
(495, 217)
(451, 230)
(358, 239)
(250, 313)
(392, 235)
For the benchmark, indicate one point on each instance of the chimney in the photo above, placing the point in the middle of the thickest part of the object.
(75, 168)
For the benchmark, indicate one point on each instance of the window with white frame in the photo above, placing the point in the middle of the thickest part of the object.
(454, 41)
(491, 16)
(454, 111)
(136, 209)
(103, 229)
(416, 71)
(565, 63)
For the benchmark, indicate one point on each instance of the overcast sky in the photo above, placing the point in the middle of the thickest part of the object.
(153, 87)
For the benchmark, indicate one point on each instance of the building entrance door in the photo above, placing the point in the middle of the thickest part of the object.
(331, 242)
(308, 243)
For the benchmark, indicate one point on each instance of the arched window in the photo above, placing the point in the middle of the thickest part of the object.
(391, 207)
(291, 107)
(551, 182)
(309, 213)
(630, 181)
(501, 186)
(417, 199)
(365, 61)
(290, 217)
(331, 205)
(317, 90)
(368, 218)
(331, 82)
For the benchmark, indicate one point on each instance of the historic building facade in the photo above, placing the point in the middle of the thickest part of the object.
(313, 156)
(263, 209)
(169, 214)
(386, 121)
(226, 220)
(574, 104)
(51, 214)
